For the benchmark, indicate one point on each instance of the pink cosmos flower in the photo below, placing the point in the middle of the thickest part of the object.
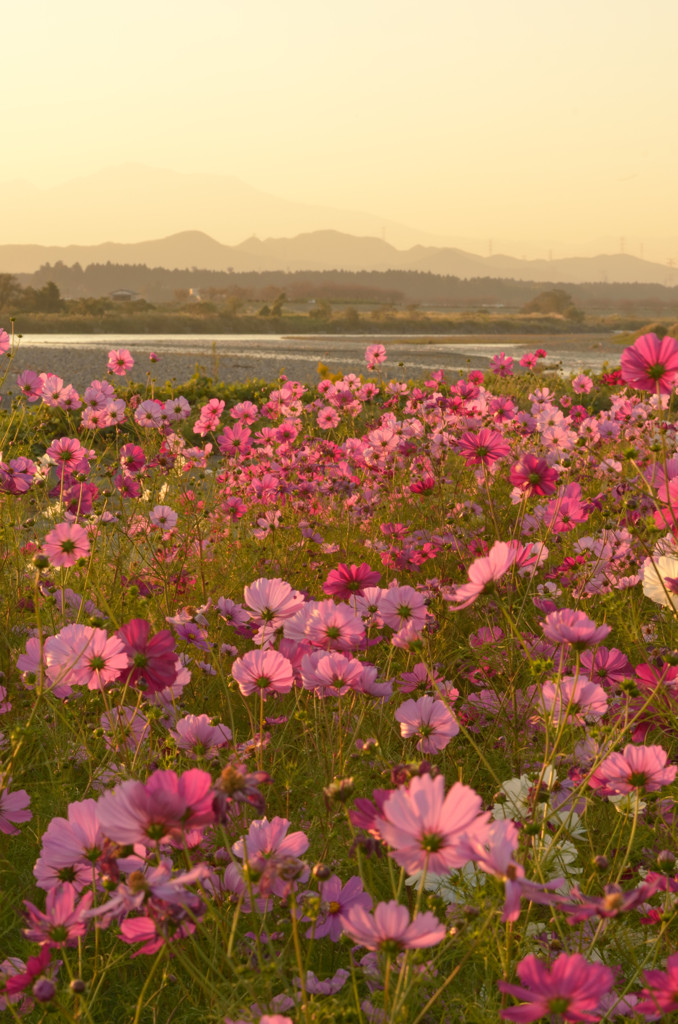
(337, 900)
(17, 475)
(235, 440)
(152, 659)
(346, 581)
(494, 854)
(661, 991)
(636, 769)
(197, 734)
(534, 475)
(132, 458)
(63, 921)
(374, 354)
(159, 810)
(390, 930)
(483, 448)
(263, 672)
(502, 365)
(582, 384)
(571, 987)
(424, 827)
(65, 544)
(13, 810)
(576, 700)
(246, 412)
(573, 628)
(649, 364)
(67, 453)
(30, 384)
(102, 662)
(328, 418)
(70, 846)
(266, 848)
(120, 361)
(483, 573)
(430, 720)
(606, 665)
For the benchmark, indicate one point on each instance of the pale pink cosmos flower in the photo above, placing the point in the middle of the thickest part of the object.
(263, 672)
(636, 769)
(390, 929)
(266, 849)
(65, 544)
(196, 733)
(424, 827)
(63, 921)
(161, 809)
(430, 720)
(328, 418)
(483, 573)
(13, 810)
(402, 605)
(272, 601)
(571, 988)
(246, 412)
(573, 628)
(164, 516)
(576, 700)
(333, 626)
(120, 361)
(331, 673)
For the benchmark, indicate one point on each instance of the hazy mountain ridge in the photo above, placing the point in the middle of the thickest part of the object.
(335, 250)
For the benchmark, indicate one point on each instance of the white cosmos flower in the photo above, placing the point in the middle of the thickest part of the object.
(660, 580)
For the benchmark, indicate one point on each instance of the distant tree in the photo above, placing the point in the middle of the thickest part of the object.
(277, 307)
(265, 310)
(321, 311)
(554, 301)
(10, 292)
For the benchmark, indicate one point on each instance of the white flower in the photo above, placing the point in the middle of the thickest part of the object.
(660, 580)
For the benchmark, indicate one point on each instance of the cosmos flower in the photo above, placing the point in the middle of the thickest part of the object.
(390, 930)
(650, 364)
(571, 987)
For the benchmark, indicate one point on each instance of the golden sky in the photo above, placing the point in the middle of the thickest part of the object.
(529, 120)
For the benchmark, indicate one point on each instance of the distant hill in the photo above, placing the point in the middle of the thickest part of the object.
(334, 250)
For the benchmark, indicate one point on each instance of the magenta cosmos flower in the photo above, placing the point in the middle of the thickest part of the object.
(65, 544)
(661, 991)
(390, 930)
(636, 768)
(483, 448)
(152, 659)
(263, 672)
(346, 581)
(430, 720)
(63, 921)
(572, 988)
(650, 364)
(338, 900)
(424, 827)
(158, 810)
(574, 628)
(534, 475)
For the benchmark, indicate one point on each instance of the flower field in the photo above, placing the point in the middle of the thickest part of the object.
(347, 703)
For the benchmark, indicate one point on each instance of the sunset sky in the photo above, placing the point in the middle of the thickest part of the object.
(529, 120)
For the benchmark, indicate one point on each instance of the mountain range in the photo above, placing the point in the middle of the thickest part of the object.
(335, 250)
